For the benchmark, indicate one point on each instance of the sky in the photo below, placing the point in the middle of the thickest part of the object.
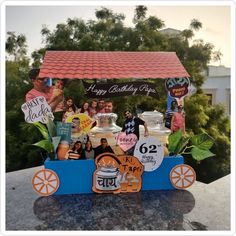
(216, 29)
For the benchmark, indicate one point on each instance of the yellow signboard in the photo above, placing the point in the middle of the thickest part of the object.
(80, 124)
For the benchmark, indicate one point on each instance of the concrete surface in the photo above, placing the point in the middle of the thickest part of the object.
(201, 207)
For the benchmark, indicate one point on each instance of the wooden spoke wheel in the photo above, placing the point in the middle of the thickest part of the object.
(182, 176)
(45, 182)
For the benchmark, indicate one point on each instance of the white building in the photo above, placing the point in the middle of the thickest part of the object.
(217, 86)
(170, 32)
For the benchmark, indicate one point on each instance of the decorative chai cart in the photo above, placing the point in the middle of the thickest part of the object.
(85, 176)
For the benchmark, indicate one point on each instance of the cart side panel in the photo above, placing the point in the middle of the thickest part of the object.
(76, 176)
(159, 179)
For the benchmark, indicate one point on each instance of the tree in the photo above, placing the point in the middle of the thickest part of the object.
(195, 24)
(16, 45)
(19, 135)
(217, 56)
(140, 13)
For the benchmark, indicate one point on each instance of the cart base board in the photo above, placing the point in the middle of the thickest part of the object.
(75, 176)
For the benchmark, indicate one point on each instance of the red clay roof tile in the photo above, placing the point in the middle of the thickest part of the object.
(111, 65)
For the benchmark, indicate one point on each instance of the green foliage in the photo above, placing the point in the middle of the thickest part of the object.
(51, 127)
(140, 13)
(50, 141)
(201, 154)
(202, 141)
(199, 144)
(197, 106)
(41, 127)
(45, 144)
(174, 140)
(16, 45)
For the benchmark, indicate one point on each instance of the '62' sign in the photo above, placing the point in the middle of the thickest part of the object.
(150, 152)
(178, 87)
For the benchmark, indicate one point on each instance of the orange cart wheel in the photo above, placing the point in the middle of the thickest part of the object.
(45, 182)
(182, 176)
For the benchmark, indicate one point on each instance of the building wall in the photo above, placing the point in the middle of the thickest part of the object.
(217, 85)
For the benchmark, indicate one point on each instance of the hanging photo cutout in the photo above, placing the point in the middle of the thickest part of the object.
(150, 152)
(37, 109)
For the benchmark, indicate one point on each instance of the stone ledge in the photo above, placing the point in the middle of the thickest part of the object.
(200, 207)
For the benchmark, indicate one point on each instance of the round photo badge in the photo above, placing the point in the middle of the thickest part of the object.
(150, 152)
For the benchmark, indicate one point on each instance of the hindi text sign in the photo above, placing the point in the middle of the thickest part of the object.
(115, 174)
(178, 87)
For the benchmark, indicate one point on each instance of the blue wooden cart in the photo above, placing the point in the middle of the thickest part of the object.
(75, 176)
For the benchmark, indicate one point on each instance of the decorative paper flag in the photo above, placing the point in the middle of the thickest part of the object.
(36, 110)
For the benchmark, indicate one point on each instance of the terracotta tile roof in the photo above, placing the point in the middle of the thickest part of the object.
(111, 65)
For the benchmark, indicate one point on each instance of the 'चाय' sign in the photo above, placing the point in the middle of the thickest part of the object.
(37, 109)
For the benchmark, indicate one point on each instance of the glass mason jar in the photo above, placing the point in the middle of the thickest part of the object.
(155, 124)
(105, 128)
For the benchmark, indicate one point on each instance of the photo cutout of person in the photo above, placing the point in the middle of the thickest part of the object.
(75, 125)
(108, 107)
(101, 106)
(40, 88)
(103, 147)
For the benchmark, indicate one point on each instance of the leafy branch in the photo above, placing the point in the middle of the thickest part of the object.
(198, 144)
(50, 141)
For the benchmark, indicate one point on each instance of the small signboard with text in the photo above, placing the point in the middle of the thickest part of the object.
(80, 124)
(150, 152)
(37, 109)
(126, 141)
(115, 174)
(97, 90)
(178, 87)
(64, 130)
